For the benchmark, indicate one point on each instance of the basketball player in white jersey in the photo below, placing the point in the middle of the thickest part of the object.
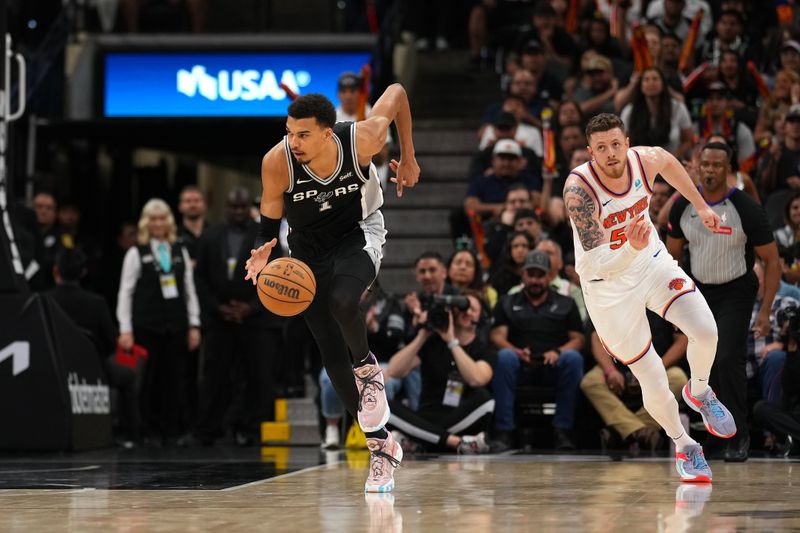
(625, 269)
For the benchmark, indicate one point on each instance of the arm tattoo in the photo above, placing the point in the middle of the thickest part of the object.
(580, 208)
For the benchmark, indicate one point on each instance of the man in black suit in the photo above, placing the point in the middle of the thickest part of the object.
(242, 338)
(90, 313)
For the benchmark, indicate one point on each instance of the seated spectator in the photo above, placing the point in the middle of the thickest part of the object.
(783, 418)
(538, 334)
(522, 85)
(661, 194)
(741, 89)
(613, 390)
(671, 47)
(456, 366)
(528, 221)
(386, 335)
(487, 193)
(597, 37)
(790, 56)
(507, 271)
(497, 229)
(657, 9)
(737, 178)
(783, 97)
(654, 118)
(561, 285)
(766, 355)
(719, 119)
(569, 113)
(549, 86)
(431, 276)
(596, 86)
(788, 235)
(672, 18)
(570, 139)
(558, 228)
(558, 46)
(779, 168)
(464, 271)
(728, 35)
(509, 125)
(90, 313)
(157, 308)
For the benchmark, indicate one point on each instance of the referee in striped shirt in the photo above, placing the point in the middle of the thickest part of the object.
(721, 265)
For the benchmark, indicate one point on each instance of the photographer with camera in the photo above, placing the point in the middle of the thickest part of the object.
(456, 366)
(783, 417)
(431, 275)
(539, 334)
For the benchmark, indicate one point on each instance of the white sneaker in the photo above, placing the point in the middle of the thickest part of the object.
(331, 437)
(473, 444)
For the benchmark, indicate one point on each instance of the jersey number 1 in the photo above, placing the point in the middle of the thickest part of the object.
(324, 206)
(618, 238)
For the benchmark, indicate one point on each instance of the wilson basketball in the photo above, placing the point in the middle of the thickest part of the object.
(286, 286)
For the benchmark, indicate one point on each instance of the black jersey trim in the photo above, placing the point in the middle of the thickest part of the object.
(354, 153)
(289, 163)
(336, 172)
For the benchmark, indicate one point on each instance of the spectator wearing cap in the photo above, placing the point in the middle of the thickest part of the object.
(347, 91)
(507, 127)
(728, 35)
(497, 230)
(487, 193)
(558, 46)
(659, 10)
(720, 119)
(779, 168)
(597, 87)
(562, 285)
(790, 55)
(539, 335)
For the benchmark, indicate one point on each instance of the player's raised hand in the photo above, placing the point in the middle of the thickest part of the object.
(638, 232)
(258, 260)
(406, 173)
(710, 219)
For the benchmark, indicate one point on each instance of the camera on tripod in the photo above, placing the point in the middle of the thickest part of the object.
(438, 306)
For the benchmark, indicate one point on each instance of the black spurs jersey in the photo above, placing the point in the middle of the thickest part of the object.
(335, 205)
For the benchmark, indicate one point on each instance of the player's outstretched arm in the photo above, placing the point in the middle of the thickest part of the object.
(656, 160)
(392, 106)
(274, 182)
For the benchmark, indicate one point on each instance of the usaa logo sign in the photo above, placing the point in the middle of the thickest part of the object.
(246, 85)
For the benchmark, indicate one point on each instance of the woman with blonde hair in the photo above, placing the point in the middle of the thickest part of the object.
(157, 307)
(785, 94)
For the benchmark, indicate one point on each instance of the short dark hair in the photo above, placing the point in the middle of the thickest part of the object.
(517, 187)
(720, 146)
(429, 255)
(70, 263)
(525, 213)
(732, 13)
(603, 122)
(314, 105)
(191, 188)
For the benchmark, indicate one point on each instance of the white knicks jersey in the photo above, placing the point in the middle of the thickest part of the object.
(617, 210)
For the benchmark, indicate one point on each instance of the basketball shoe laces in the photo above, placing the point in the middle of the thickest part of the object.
(369, 388)
(712, 404)
(698, 461)
(378, 464)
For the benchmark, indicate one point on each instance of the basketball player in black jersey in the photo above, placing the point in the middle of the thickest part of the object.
(322, 177)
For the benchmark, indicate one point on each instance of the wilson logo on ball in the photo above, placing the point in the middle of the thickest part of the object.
(282, 289)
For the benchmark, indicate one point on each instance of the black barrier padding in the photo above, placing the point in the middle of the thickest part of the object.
(36, 408)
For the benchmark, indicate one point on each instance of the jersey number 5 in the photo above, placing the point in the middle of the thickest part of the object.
(618, 238)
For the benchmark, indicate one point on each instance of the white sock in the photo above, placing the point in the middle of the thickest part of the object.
(682, 441)
(698, 386)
